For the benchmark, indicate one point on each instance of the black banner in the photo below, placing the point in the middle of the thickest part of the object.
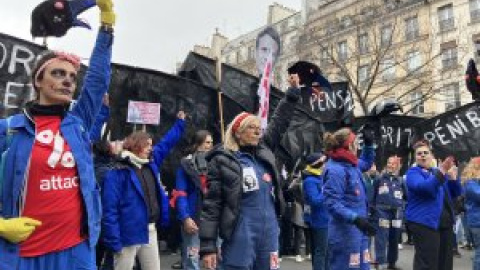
(195, 91)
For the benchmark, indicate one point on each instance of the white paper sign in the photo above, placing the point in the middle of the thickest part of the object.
(143, 113)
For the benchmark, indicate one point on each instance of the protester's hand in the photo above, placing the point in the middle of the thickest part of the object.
(368, 134)
(294, 80)
(453, 173)
(365, 226)
(210, 261)
(107, 15)
(447, 164)
(17, 229)
(106, 100)
(190, 226)
(181, 115)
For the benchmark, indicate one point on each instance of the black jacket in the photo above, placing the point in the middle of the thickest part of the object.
(221, 205)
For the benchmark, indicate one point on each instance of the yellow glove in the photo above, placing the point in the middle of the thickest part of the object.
(17, 229)
(107, 15)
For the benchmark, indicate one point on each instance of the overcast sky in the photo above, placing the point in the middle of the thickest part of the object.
(151, 33)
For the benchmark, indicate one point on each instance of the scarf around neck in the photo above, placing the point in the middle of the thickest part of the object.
(342, 154)
(134, 159)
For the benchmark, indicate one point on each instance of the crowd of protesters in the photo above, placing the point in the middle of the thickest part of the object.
(62, 207)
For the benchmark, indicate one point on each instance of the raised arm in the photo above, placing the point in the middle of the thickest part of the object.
(100, 120)
(97, 78)
(166, 144)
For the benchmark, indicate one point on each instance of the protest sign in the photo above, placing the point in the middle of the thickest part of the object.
(143, 113)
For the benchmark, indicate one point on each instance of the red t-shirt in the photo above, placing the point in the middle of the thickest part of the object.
(52, 192)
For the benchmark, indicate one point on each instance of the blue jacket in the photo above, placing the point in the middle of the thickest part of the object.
(388, 192)
(344, 190)
(317, 217)
(102, 117)
(188, 181)
(125, 218)
(75, 128)
(425, 196)
(472, 202)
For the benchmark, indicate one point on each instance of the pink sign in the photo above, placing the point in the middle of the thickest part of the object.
(143, 113)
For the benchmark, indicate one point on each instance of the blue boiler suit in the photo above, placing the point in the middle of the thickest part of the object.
(346, 199)
(254, 242)
(388, 201)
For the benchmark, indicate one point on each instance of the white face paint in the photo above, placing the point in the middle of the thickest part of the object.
(266, 45)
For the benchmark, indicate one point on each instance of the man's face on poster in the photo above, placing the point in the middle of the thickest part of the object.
(266, 45)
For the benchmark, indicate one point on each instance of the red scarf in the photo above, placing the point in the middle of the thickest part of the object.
(342, 154)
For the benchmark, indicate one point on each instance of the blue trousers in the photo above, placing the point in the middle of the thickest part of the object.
(387, 238)
(476, 241)
(253, 246)
(319, 249)
(350, 252)
(190, 248)
(79, 257)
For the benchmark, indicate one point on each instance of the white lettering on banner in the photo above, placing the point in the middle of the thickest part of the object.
(446, 133)
(16, 59)
(332, 101)
(58, 183)
(13, 90)
(473, 118)
(4, 55)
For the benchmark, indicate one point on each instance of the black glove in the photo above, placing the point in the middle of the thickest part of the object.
(372, 211)
(365, 226)
(368, 134)
(293, 94)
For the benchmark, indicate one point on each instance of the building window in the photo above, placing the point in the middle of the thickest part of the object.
(324, 57)
(363, 44)
(251, 52)
(475, 10)
(388, 69)
(238, 56)
(449, 58)
(416, 101)
(346, 22)
(452, 96)
(386, 36)
(363, 74)
(446, 20)
(477, 47)
(342, 51)
(411, 28)
(414, 61)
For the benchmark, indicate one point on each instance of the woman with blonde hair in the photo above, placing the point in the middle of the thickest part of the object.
(244, 195)
(471, 181)
(346, 199)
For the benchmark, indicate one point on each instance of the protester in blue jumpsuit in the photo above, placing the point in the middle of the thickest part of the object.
(388, 199)
(346, 200)
(54, 80)
(244, 195)
(316, 215)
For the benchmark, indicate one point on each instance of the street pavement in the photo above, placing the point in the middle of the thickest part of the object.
(405, 261)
